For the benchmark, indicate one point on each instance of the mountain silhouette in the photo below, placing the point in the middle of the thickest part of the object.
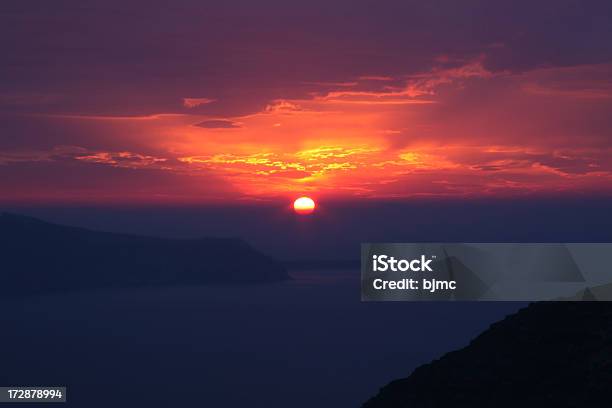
(38, 257)
(549, 354)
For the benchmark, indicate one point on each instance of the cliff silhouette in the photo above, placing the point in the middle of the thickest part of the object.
(39, 257)
(554, 354)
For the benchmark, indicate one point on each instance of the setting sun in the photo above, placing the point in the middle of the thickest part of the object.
(304, 205)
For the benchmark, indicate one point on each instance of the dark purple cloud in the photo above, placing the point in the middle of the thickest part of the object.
(143, 57)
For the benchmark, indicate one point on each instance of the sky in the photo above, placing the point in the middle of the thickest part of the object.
(242, 101)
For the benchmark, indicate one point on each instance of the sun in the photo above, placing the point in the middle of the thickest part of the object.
(304, 205)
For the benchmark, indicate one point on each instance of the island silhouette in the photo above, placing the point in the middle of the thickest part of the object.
(41, 257)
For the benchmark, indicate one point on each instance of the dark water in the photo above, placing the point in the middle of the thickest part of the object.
(307, 343)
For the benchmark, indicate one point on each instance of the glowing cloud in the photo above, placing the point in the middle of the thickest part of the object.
(195, 102)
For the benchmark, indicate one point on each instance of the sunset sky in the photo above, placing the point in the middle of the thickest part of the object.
(190, 101)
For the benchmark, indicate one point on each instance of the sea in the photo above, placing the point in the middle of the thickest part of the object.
(309, 342)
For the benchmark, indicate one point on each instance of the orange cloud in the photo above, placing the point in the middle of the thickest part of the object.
(459, 131)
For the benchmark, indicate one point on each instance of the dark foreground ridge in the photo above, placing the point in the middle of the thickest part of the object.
(38, 257)
(556, 354)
